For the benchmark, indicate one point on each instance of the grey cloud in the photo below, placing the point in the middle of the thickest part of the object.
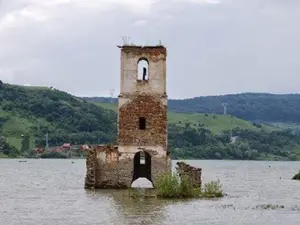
(233, 46)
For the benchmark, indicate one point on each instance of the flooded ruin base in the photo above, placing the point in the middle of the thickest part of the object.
(107, 168)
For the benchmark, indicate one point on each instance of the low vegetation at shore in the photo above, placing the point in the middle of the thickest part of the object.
(170, 186)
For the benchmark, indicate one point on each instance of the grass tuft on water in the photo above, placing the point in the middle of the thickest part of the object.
(213, 189)
(171, 186)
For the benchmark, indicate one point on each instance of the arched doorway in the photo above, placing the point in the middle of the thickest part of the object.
(142, 168)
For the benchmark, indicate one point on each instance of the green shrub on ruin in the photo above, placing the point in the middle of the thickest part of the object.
(172, 186)
(167, 186)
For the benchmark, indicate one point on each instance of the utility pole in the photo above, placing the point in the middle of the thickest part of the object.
(111, 92)
(47, 141)
(224, 104)
(231, 130)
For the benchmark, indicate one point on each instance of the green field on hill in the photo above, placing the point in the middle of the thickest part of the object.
(14, 128)
(215, 122)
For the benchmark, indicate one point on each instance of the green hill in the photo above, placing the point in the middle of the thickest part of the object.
(111, 106)
(35, 111)
(27, 114)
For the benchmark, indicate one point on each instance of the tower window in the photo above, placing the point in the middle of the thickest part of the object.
(143, 69)
(142, 123)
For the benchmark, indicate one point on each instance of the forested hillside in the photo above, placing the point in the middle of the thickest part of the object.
(248, 106)
(27, 114)
(33, 112)
(200, 143)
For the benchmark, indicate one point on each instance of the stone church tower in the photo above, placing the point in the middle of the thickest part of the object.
(142, 149)
(142, 108)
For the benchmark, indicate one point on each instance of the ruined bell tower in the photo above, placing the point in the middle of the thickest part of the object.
(142, 106)
(142, 150)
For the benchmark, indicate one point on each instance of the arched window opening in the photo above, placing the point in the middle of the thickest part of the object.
(143, 69)
(142, 123)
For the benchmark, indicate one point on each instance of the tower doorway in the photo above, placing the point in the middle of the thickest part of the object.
(142, 170)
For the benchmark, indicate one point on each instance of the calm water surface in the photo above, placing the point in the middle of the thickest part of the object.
(51, 192)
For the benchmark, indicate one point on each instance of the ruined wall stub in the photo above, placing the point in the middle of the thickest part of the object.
(142, 120)
(192, 173)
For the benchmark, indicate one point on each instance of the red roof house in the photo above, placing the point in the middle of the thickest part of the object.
(67, 145)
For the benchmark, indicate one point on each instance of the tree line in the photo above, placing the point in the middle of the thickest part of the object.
(200, 143)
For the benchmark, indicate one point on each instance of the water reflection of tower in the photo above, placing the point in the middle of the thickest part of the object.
(122, 209)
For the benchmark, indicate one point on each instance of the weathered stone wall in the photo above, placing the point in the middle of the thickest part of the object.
(91, 160)
(192, 173)
(107, 167)
(155, 113)
(160, 166)
(156, 57)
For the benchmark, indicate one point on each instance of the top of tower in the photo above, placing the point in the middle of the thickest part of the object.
(127, 43)
(140, 46)
(153, 50)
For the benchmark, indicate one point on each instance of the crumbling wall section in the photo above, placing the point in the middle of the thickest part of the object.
(91, 161)
(108, 168)
(190, 172)
(153, 53)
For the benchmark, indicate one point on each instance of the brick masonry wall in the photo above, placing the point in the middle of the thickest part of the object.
(155, 113)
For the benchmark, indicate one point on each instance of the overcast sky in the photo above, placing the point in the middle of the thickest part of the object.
(214, 46)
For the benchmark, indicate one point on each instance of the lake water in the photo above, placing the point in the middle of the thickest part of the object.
(50, 191)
